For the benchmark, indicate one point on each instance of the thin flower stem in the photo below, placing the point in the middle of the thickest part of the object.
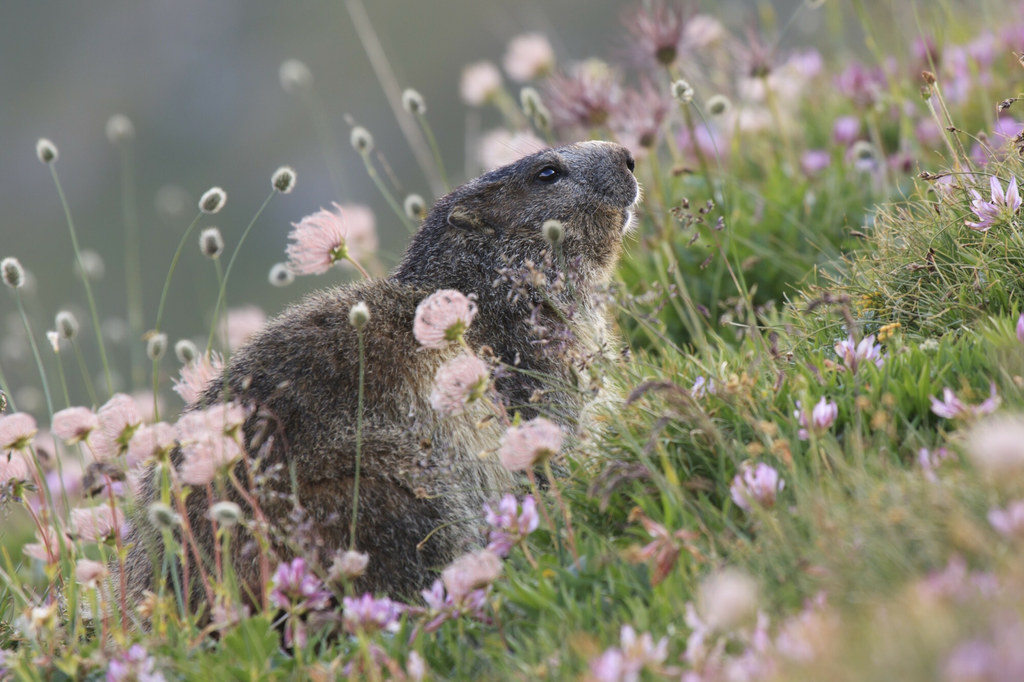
(388, 196)
(435, 150)
(262, 525)
(35, 353)
(132, 265)
(328, 142)
(231, 263)
(85, 278)
(86, 379)
(359, 442)
(566, 514)
(358, 267)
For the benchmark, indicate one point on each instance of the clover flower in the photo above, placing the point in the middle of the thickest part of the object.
(529, 443)
(442, 318)
(951, 407)
(822, 416)
(458, 382)
(854, 354)
(756, 485)
(134, 664)
(368, 614)
(325, 238)
(510, 523)
(297, 590)
(1003, 204)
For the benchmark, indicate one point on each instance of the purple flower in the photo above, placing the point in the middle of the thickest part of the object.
(443, 606)
(951, 407)
(625, 662)
(367, 614)
(297, 589)
(821, 418)
(1020, 328)
(853, 354)
(1003, 204)
(134, 664)
(930, 461)
(756, 485)
(846, 129)
(511, 523)
(813, 161)
(1009, 522)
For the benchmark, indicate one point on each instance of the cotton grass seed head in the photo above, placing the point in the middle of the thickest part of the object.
(295, 76)
(211, 243)
(67, 324)
(281, 275)
(163, 517)
(682, 91)
(283, 179)
(186, 351)
(120, 129)
(213, 200)
(553, 231)
(413, 102)
(13, 273)
(156, 346)
(529, 100)
(415, 207)
(719, 105)
(359, 315)
(362, 140)
(46, 150)
(226, 513)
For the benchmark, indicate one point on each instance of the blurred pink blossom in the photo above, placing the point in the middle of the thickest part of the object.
(47, 546)
(74, 424)
(528, 56)
(150, 440)
(1009, 522)
(240, 324)
(325, 238)
(14, 467)
(756, 484)
(951, 407)
(853, 354)
(94, 524)
(118, 418)
(529, 443)
(459, 382)
(471, 572)
(442, 317)
(500, 147)
(197, 374)
(821, 418)
(16, 431)
(479, 83)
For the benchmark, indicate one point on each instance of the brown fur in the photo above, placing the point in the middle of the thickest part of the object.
(423, 479)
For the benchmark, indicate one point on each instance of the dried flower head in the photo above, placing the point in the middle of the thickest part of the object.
(458, 382)
(186, 351)
(13, 273)
(67, 324)
(226, 513)
(529, 443)
(120, 129)
(46, 150)
(442, 318)
(479, 83)
(359, 315)
(294, 76)
(283, 179)
(528, 56)
(413, 102)
(74, 424)
(54, 338)
(156, 346)
(211, 243)
(361, 140)
(415, 207)
(325, 238)
(213, 200)
(280, 275)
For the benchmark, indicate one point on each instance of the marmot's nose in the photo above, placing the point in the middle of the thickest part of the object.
(630, 163)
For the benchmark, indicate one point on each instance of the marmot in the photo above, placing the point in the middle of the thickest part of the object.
(423, 478)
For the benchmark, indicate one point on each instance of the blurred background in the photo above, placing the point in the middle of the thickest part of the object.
(200, 83)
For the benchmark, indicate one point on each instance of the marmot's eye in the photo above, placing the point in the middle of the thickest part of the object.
(548, 174)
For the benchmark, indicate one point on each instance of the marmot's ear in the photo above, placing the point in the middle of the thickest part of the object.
(469, 218)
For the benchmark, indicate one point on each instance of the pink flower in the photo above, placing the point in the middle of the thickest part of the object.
(626, 662)
(74, 424)
(118, 418)
(1003, 204)
(1020, 328)
(529, 443)
(471, 572)
(657, 29)
(89, 572)
(196, 375)
(853, 354)
(442, 317)
(209, 441)
(756, 485)
(241, 324)
(16, 431)
(47, 547)
(94, 524)
(813, 161)
(150, 440)
(324, 238)
(951, 407)
(499, 147)
(586, 98)
(479, 83)
(846, 129)
(14, 468)
(458, 382)
(528, 56)
(511, 523)
(821, 418)
(368, 614)
(1009, 522)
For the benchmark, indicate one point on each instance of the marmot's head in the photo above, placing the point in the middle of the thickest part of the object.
(497, 218)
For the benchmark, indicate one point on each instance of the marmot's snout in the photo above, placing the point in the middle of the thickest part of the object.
(610, 172)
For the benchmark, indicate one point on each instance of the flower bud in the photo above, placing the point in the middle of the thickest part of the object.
(156, 345)
(359, 315)
(281, 275)
(46, 150)
(12, 272)
(718, 105)
(415, 207)
(413, 102)
(163, 517)
(67, 324)
(682, 91)
(212, 200)
(226, 513)
(283, 179)
(211, 243)
(186, 351)
(362, 140)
